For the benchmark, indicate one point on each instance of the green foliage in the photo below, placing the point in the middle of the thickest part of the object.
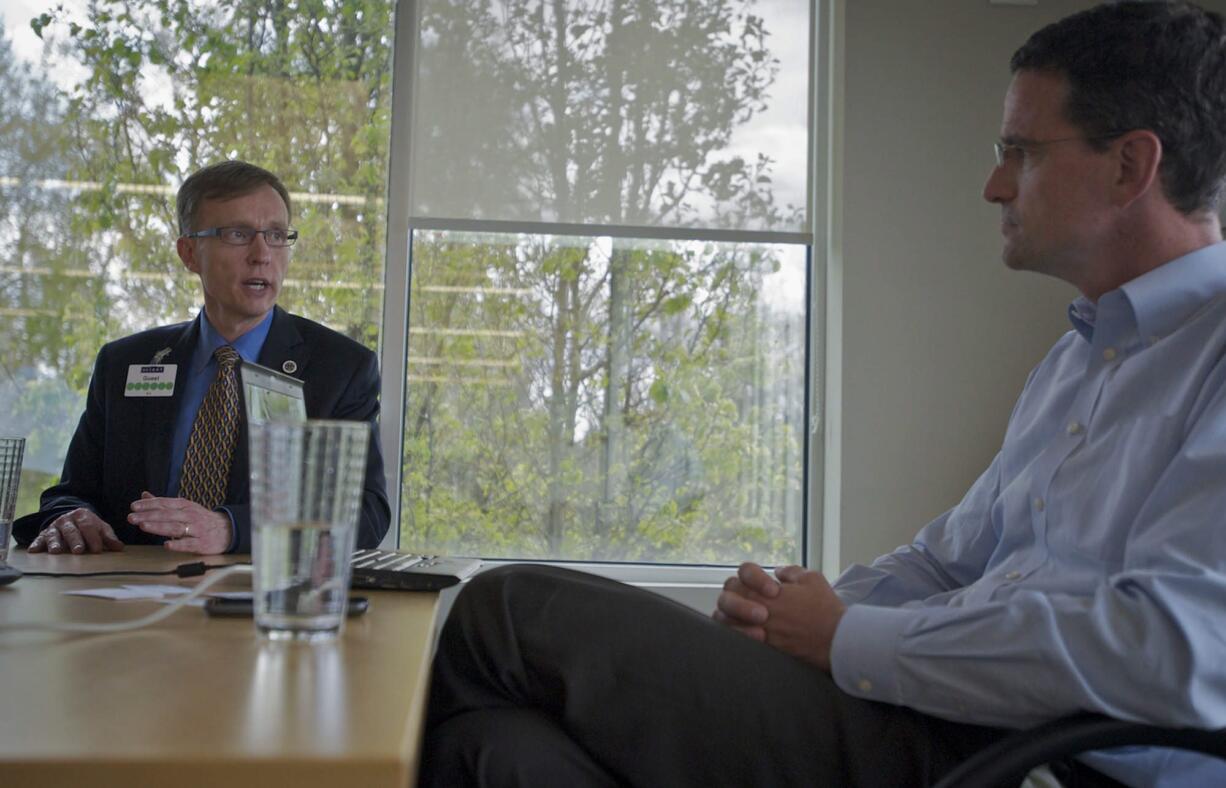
(567, 397)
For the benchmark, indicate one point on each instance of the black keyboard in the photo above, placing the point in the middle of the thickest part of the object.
(386, 569)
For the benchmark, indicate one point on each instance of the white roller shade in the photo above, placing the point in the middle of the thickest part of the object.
(657, 113)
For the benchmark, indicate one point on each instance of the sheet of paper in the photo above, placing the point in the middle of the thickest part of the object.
(154, 592)
(113, 593)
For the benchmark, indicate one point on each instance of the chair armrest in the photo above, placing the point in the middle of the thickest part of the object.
(1007, 762)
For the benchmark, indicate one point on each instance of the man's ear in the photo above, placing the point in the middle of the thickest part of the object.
(1140, 154)
(187, 253)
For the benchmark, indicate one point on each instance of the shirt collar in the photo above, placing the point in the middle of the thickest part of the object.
(1163, 298)
(1168, 295)
(248, 345)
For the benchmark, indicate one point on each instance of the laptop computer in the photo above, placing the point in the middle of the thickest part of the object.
(269, 395)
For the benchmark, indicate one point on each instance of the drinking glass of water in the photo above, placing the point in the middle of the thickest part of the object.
(306, 495)
(11, 451)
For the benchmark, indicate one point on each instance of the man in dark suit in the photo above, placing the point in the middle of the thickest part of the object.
(126, 476)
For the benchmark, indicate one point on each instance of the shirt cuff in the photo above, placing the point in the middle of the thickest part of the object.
(864, 655)
(233, 530)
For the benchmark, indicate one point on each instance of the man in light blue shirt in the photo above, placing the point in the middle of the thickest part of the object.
(1085, 570)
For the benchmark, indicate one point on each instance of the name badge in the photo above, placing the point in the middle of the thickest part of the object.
(151, 380)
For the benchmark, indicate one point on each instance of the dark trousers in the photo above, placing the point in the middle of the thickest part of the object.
(549, 677)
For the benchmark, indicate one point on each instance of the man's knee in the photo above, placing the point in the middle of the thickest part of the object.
(498, 587)
(506, 747)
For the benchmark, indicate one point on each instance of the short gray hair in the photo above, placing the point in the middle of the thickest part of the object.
(222, 181)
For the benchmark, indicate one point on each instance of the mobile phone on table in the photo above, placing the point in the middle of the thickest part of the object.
(243, 607)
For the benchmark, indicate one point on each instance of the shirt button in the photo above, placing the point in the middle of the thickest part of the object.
(1109, 354)
(1014, 575)
(1038, 504)
(1074, 428)
(864, 685)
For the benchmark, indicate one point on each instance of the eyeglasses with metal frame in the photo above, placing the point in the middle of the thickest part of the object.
(245, 236)
(1016, 151)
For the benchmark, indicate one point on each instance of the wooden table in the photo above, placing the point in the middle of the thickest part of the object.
(198, 701)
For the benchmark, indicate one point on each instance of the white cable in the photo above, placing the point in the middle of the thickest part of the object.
(124, 626)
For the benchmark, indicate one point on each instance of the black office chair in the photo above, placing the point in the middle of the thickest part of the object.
(1007, 762)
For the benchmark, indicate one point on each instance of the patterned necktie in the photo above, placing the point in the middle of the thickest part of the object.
(210, 448)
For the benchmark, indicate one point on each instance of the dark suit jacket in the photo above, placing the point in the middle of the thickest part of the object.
(122, 444)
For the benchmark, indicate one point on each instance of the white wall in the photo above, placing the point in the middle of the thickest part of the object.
(938, 335)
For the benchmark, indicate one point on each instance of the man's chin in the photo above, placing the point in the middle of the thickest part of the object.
(1016, 259)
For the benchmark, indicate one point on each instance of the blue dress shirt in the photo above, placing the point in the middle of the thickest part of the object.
(1086, 568)
(199, 376)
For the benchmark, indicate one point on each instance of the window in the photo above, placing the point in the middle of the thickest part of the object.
(605, 399)
(599, 219)
(610, 279)
(103, 118)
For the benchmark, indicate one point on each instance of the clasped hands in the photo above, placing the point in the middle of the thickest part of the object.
(190, 527)
(796, 611)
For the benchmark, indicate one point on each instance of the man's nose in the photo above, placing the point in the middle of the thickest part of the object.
(999, 187)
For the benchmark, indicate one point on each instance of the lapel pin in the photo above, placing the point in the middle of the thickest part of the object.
(161, 354)
(289, 367)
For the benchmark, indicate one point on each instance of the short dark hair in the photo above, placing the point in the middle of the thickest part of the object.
(222, 181)
(1146, 64)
